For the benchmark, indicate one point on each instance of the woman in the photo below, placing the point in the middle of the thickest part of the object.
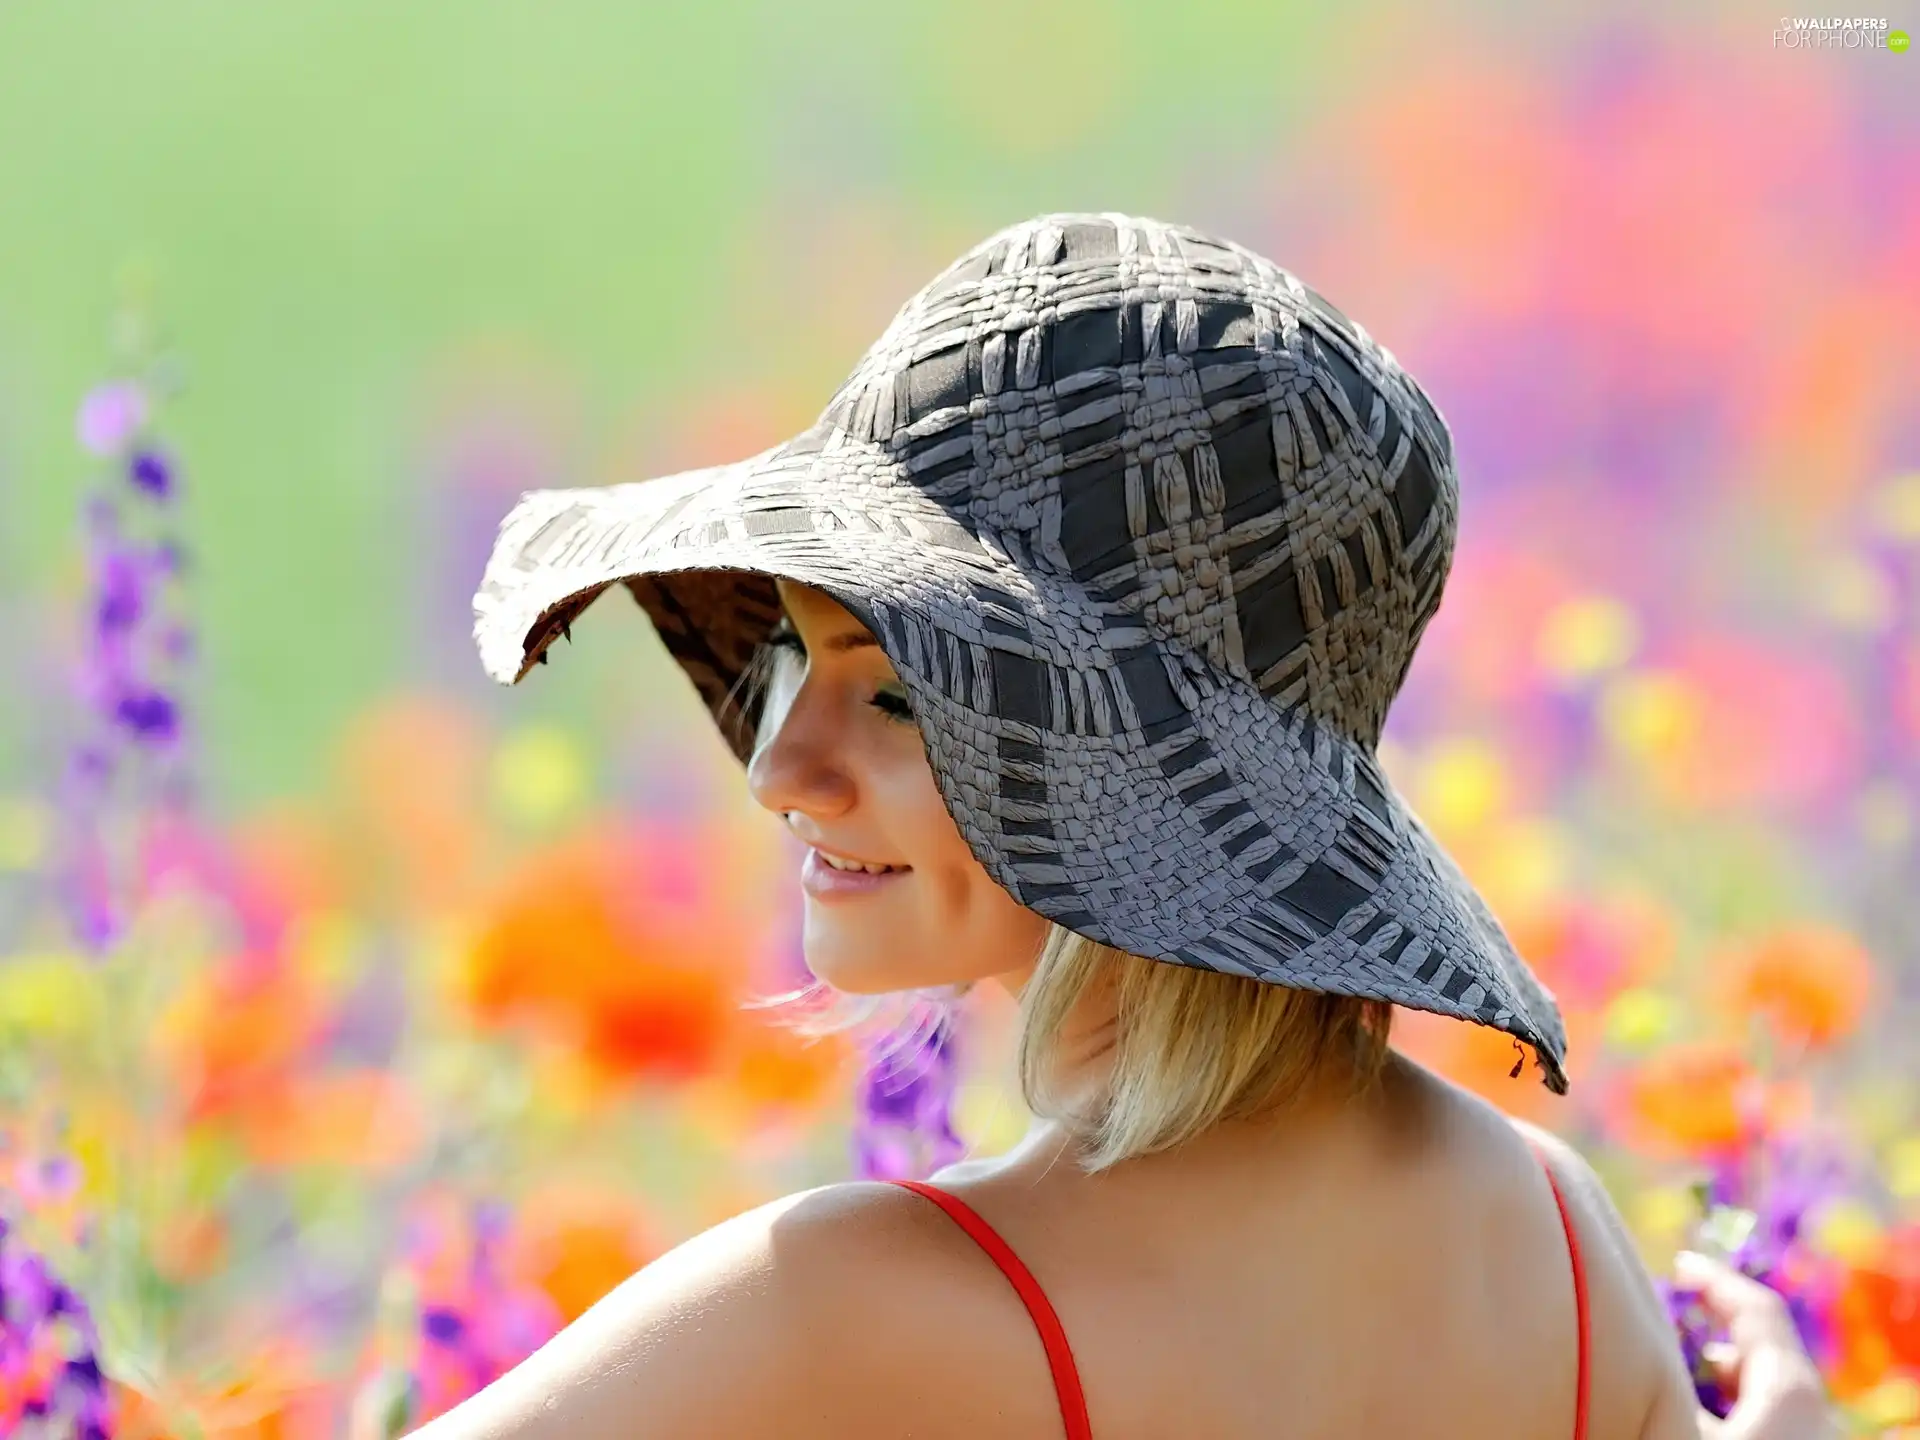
(1064, 640)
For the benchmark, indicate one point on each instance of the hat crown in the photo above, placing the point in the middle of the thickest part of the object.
(1188, 433)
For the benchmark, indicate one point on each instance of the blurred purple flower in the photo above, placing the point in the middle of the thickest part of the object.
(87, 885)
(489, 1325)
(442, 1326)
(151, 472)
(1695, 1328)
(129, 760)
(151, 717)
(1756, 1209)
(51, 1179)
(111, 415)
(122, 593)
(38, 1316)
(905, 1118)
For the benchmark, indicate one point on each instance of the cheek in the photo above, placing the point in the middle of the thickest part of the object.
(986, 929)
(980, 927)
(929, 838)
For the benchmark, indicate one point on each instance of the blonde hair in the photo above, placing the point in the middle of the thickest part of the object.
(1187, 1048)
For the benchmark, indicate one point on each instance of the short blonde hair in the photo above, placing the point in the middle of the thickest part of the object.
(1188, 1049)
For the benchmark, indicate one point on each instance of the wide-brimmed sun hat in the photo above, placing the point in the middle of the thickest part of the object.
(1150, 531)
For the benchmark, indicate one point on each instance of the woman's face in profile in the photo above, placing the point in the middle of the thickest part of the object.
(839, 754)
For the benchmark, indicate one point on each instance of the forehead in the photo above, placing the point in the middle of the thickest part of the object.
(814, 607)
(828, 628)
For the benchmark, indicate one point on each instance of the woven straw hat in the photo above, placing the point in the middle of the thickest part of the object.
(1149, 531)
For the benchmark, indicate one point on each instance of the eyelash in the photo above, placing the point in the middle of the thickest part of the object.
(894, 707)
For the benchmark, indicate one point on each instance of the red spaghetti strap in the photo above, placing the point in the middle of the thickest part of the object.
(1066, 1376)
(1584, 1382)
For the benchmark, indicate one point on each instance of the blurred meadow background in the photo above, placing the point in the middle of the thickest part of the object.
(361, 1023)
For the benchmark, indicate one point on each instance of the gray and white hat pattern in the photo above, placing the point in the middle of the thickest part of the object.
(1150, 531)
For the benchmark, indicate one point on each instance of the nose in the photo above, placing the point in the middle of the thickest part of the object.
(800, 762)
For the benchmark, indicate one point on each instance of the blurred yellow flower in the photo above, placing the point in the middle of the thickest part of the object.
(1892, 1402)
(1877, 1108)
(56, 996)
(1640, 1018)
(1464, 784)
(988, 1117)
(1896, 507)
(1847, 1230)
(1582, 637)
(23, 834)
(1662, 1215)
(1903, 1168)
(1650, 715)
(1522, 863)
(539, 774)
(1851, 593)
(324, 947)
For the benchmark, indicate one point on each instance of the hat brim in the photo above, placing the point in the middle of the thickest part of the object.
(1105, 780)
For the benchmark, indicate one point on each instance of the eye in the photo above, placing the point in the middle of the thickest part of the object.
(785, 637)
(894, 705)
(891, 701)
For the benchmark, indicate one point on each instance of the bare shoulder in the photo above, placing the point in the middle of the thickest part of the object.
(1623, 1302)
(1602, 1232)
(815, 1315)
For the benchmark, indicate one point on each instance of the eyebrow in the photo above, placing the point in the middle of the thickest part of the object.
(850, 640)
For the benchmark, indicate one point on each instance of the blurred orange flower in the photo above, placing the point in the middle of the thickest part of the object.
(1810, 983)
(605, 938)
(233, 1028)
(276, 1393)
(364, 1118)
(771, 1066)
(1877, 1315)
(576, 1243)
(1695, 1098)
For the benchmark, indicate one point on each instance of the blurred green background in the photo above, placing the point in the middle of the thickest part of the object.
(345, 209)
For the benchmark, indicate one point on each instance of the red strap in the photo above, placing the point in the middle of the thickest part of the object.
(1066, 1376)
(1579, 1296)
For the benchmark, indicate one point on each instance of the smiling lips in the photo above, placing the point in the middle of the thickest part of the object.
(827, 877)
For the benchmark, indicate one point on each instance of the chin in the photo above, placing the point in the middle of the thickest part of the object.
(869, 960)
(857, 973)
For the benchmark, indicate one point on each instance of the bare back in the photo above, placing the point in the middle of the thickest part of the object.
(1403, 1273)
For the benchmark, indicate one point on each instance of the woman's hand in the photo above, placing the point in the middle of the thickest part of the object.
(1777, 1389)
